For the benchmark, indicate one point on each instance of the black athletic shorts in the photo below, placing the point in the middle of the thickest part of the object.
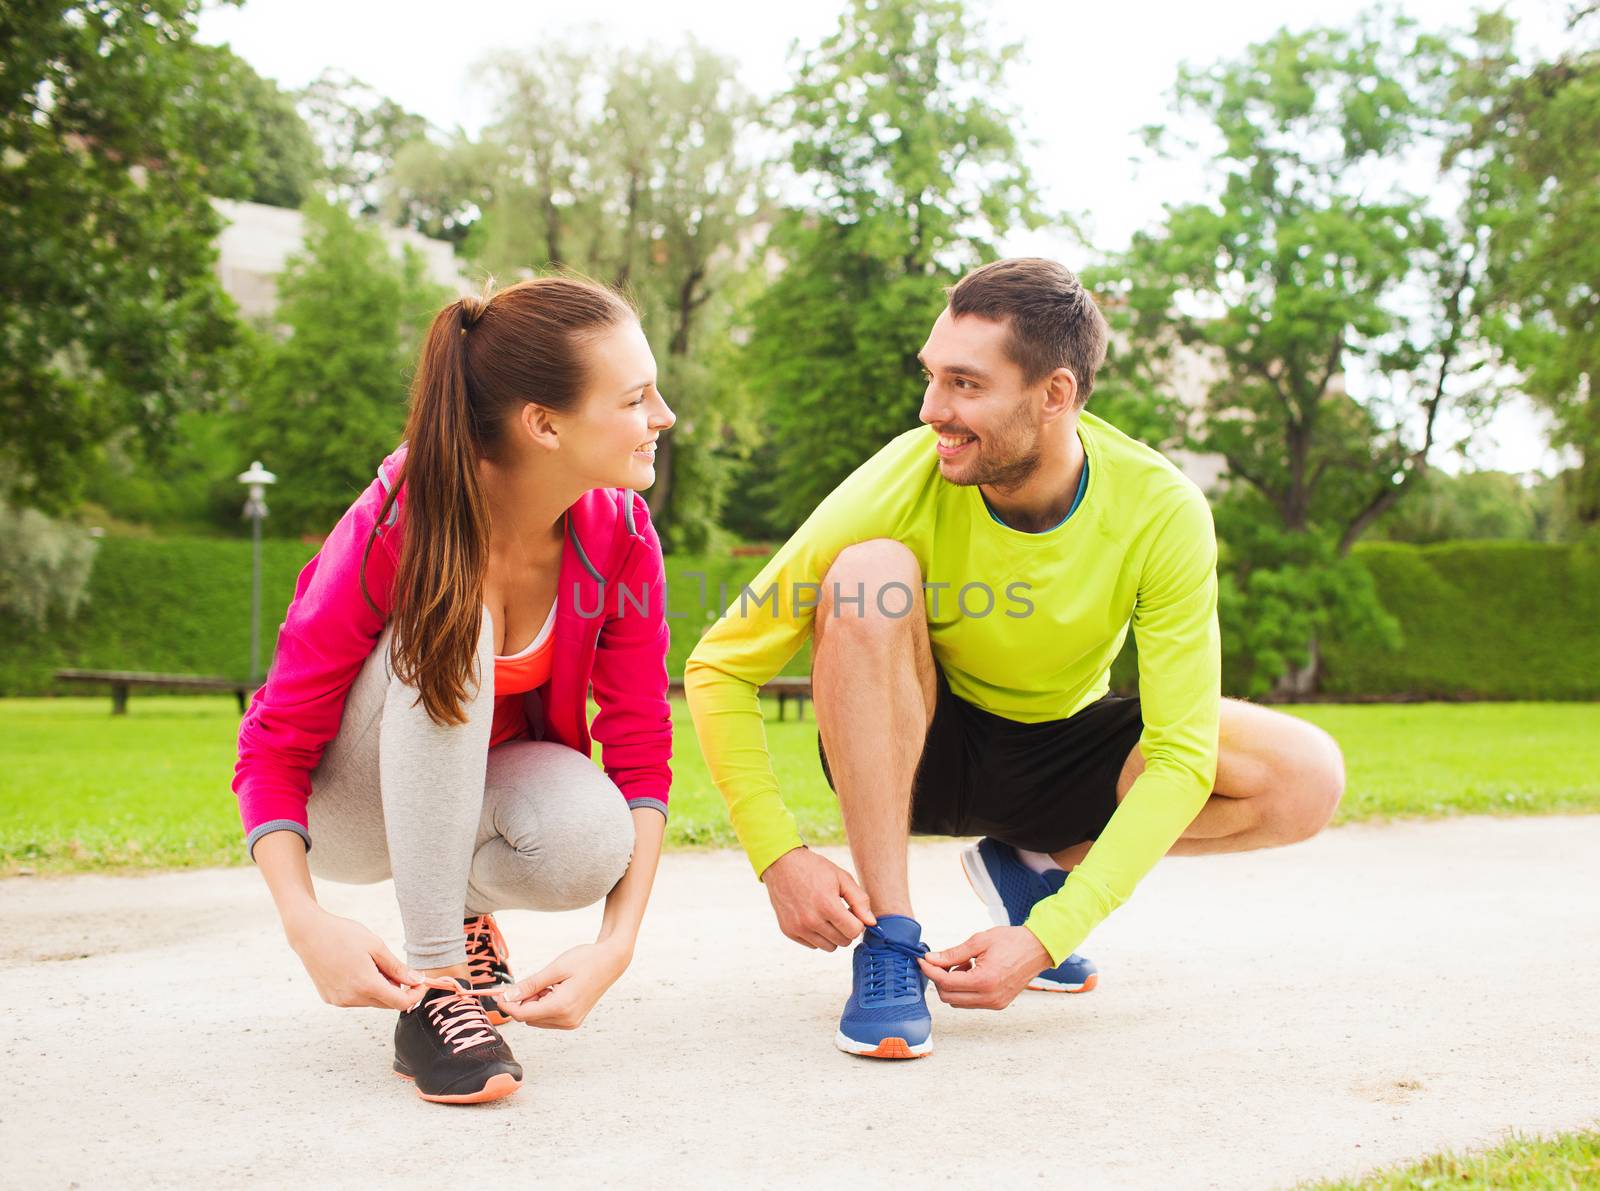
(1043, 787)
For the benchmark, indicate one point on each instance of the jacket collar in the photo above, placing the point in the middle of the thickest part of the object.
(591, 508)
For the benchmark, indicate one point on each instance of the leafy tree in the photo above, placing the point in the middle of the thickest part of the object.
(193, 489)
(280, 160)
(111, 314)
(1137, 389)
(46, 565)
(1468, 506)
(628, 167)
(1541, 132)
(914, 171)
(545, 195)
(689, 196)
(330, 399)
(1335, 303)
(360, 133)
(442, 189)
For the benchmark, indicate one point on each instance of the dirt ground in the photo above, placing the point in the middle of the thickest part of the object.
(1371, 995)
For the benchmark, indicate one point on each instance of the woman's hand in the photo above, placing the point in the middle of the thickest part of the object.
(349, 964)
(560, 996)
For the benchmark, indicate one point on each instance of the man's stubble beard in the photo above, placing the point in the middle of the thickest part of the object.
(1017, 467)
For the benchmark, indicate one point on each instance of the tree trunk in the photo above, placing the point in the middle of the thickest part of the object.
(660, 495)
(1585, 489)
(624, 272)
(1300, 681)
(552, 230)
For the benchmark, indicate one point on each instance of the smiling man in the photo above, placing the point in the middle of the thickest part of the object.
(967, 589)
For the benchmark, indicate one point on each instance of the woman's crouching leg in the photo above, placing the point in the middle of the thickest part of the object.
(345, 812)
(556, 833)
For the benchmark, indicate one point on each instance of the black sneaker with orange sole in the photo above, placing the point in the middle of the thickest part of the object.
(445, 1045)
(488, 961)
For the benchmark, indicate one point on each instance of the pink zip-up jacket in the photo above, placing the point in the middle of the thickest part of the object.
(610, 632)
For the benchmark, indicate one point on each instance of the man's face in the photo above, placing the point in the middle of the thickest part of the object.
(988, 421)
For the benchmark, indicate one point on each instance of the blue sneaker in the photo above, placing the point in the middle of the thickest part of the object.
(1010, 889)
(887, 1015)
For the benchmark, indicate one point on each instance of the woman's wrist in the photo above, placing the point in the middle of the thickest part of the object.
(618, 944)
(298, 917)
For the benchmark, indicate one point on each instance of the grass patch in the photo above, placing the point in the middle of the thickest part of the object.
(84, 790)
(1432, 759)
(1570, 1160)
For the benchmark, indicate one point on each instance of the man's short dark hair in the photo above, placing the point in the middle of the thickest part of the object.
(1054, 320)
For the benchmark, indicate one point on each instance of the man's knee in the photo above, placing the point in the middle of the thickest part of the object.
(1312, 777)
(872, 586)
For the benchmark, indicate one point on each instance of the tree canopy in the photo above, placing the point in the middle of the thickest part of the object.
(1330, 300)
(112, 316)
(911, 171)
(329, 397)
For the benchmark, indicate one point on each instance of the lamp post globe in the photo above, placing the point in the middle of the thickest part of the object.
(255, 509)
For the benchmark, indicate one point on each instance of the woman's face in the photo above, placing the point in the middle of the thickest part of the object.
(610, 439)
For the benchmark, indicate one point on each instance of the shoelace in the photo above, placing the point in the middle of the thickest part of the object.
(486, 947)
(459, 1019)
(888, 972)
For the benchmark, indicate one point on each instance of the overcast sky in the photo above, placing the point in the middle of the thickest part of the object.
(1090, 76)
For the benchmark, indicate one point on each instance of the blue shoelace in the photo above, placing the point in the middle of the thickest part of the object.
(892, 965)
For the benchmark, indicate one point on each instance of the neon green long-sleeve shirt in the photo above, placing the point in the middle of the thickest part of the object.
(1024, 625)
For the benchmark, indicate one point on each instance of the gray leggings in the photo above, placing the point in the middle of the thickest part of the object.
(540, 827)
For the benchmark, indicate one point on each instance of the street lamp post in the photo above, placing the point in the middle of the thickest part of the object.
(255, 508)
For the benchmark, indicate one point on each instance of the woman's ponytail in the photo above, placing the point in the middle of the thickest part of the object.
(481, 361)
(438, 595)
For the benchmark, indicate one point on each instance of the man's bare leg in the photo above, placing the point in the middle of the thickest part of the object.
(1279, 780)
(873, 688)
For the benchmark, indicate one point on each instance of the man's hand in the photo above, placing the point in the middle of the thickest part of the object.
(818, 904)
(991, 968)
(559, 996)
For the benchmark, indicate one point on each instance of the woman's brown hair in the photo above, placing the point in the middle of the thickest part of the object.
(482, 360)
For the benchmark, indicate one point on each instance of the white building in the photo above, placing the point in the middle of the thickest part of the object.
(258, 240)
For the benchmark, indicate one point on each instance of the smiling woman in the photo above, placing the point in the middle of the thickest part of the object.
(426, 716)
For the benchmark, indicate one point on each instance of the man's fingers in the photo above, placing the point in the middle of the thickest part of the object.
(965, 990)
(840, 925)
(856, 898)
(969, 1001)
(966, 980)
(952, 957)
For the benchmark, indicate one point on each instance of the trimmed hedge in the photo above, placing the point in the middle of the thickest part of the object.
(173, 605)
(1503, 620)
(1491, 620)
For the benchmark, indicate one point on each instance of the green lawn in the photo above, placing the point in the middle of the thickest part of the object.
(1569, 1161)
(83, 790)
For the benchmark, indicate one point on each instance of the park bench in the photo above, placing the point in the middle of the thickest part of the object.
(785, 687)
(122, 681)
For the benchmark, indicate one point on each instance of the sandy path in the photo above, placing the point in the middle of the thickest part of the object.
(1373, 994)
